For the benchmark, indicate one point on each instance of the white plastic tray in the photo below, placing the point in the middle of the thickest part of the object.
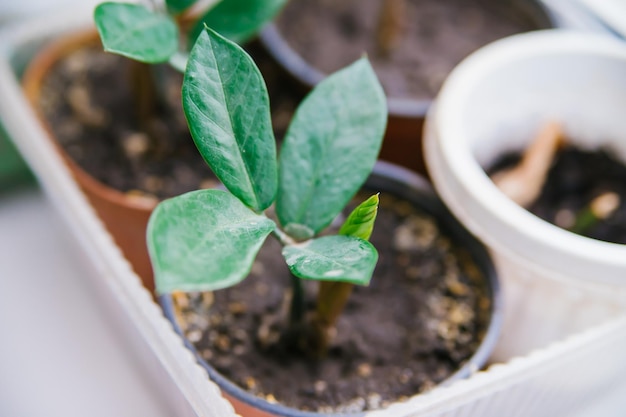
(564, 379)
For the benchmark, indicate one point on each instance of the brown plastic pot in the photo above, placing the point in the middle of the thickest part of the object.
(403, 138)
(125, 216)
(402, 183)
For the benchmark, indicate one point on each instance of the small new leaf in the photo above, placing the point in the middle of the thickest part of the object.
(238, 20)
(360, 223)
(134, 31)
(227, 108)
(330, 148)
(204, 240)
(333, 258)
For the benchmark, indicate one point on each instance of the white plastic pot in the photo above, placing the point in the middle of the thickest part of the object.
(555, 282)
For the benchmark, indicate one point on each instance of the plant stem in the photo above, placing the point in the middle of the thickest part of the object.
(331, 300)
(391, 25)
(145, 94)
(523, 183)
(297, 308)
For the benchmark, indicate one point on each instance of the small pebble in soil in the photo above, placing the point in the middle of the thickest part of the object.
(364, 370)
(250, 382)
(207, 354)
(320, 387)
(237, 308)
(564, 218)
(152, 183)
(194, 336)
(135, 144)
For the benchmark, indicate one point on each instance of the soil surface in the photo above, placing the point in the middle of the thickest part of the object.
(412, 44)
(89, 103)
(423, 315)
(575, 179)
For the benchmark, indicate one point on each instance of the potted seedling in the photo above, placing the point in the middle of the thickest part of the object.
(277, 335)
(569, 130)
(118, 121)
(412, 45)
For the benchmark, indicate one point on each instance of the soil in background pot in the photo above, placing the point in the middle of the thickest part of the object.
(576, 178)
(429, 37)
(88, 102)
(423, 315)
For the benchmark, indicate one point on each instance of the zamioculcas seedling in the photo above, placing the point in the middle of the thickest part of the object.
(207, 240)
(158, 35)
(152, 35)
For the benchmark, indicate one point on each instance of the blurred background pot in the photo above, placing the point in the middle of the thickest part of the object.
(125, 216)
(555, 282)
(312, 38)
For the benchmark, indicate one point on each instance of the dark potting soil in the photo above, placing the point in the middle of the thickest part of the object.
(423, 315)
(432, 36)
(88, 102)
(576, 178)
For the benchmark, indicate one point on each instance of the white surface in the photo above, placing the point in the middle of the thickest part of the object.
(612, 12)
(59, 353)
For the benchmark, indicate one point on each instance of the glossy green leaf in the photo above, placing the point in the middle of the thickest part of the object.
(204, 240)
(177, 6)
(227, 108)
(134, 31)
(238, 20)
(330, 148)
(333, 258)
(360, 223)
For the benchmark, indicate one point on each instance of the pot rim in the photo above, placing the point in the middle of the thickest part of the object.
(308, 75)
(472, 196)
(400, 180)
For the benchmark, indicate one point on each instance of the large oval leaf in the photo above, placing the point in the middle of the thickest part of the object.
(227, 108)
(204, 240)
(333, 258)
(330, 148)
(238, 20)
(134, 31)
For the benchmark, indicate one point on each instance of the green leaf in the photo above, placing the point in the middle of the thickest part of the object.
(204, 240)
(134, 31)
(360, 223)
(330, 148)
(333, 258)
(177, 6)
(238, 20)
(227, 108)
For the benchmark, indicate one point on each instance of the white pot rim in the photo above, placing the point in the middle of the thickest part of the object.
(492, 216)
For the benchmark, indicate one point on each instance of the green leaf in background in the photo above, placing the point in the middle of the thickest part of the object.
(204, 240)
(134, 31)
(177, 6)
(227, 109)
(333, 258)
(330, 148)
(238, 20)
(360, 223)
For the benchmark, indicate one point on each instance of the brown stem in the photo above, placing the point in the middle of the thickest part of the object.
(523, 182)
(331, 300)
(145, 94)
(391, 25)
